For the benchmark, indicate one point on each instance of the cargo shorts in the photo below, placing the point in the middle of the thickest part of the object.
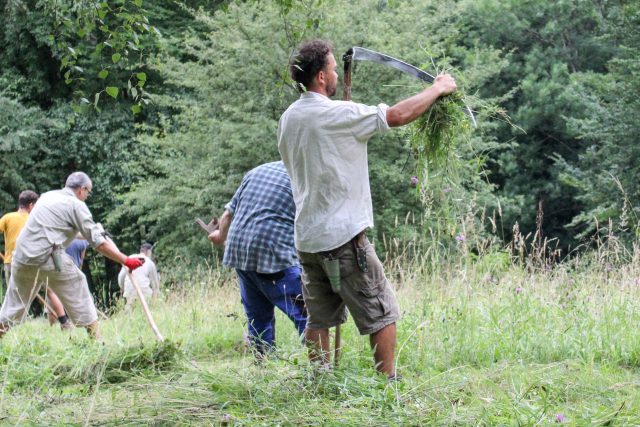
(368, 296)
(70, 285)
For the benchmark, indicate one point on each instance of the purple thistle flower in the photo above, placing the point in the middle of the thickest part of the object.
(560, 418)
(519, 290)
(460, 237)
(414, 181)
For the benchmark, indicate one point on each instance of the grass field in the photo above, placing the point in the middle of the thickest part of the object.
(477, 345)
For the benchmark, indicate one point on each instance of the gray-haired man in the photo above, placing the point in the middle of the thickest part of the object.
(39, 256)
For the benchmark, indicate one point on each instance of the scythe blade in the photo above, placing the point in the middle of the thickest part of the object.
(362, 54)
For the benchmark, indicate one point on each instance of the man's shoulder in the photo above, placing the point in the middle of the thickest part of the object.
(148, 263)
(4, 220)
(272, 169)
(337, 107)
(12, 217)
(56, 193)
(8, 216)
(57, 196)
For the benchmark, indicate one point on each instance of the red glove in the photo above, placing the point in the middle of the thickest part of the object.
(132, 262)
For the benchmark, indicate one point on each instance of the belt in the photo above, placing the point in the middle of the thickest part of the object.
(357, 241)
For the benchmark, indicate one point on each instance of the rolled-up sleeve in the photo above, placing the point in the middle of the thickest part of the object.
(94, 233)
(368, 120)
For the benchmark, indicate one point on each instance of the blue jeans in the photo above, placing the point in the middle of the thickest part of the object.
(261, 293)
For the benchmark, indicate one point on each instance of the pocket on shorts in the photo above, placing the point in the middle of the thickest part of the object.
(387, 302)
(71, 271)
(376, 305)
(370, 287)
(374, 280)
(348, 263)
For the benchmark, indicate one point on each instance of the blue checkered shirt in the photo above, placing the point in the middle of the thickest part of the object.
(261, 234)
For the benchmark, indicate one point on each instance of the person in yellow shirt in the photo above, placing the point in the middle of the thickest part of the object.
(10, 225)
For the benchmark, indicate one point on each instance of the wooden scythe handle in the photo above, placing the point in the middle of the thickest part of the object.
(348, 63)
(145, 307)
(346, 96)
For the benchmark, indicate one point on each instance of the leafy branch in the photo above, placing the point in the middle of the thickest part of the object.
(95, 42)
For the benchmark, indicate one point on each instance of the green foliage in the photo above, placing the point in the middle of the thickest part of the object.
(432, 137)
(220, 85)
(82, 37)
(546, 43)
(606, 172)
(454, 188)
(204, 143)
(209, 131)
(21, 131)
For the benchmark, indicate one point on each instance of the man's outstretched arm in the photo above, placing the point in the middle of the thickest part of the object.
(111, 251)
(411, 108)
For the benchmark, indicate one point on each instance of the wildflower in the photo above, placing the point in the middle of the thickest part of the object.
(414, 181)
(445, 190)
(519, 290)
(560, 418)
(460, 237)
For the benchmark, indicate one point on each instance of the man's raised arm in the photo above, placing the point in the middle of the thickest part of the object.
(411, 108)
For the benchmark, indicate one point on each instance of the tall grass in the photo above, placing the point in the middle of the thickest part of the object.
(484, 340)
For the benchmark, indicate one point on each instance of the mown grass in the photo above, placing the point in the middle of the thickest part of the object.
(476, 346)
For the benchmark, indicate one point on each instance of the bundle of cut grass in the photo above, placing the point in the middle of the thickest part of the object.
(118, 366)
(157, 357)
(434, 135)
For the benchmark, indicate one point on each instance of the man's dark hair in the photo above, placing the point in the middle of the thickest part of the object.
(26, 198)
(309, 61)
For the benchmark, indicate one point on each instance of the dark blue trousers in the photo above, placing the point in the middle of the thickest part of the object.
(261, 293)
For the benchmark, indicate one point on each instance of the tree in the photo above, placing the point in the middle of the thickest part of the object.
(546, 42)
(224, 96)
(606, 173)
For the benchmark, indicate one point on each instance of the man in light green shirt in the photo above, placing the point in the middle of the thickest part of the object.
(39, 256)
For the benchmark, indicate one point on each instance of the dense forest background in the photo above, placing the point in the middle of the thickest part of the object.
(166, 105)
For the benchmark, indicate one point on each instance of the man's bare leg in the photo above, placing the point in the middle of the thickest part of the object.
(317, 341)
(4, 328)
(55, 303)
(383, 344)
(59, 314)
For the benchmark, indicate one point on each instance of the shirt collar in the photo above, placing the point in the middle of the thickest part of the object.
(311, 94)
(69, 191)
